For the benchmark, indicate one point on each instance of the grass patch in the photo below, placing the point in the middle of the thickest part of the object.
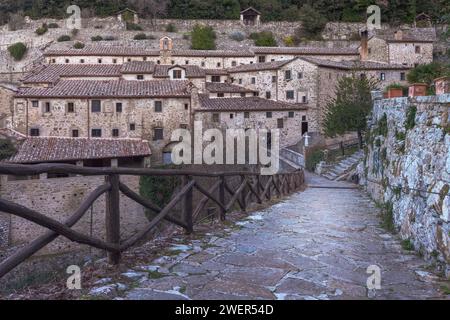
(387, 216)
(445, 289)
(407, 245)
(155, 275)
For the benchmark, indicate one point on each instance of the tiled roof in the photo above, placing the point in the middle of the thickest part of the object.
(305, 50)
(225, 87)
(52, 73)
(215, 72)
(212, 53)
(162, 71)
(49, 149)
(138, 67)
(245, 104)
(107, 89)
(355, 65)
(103, 51)
(273, 65)
(409, 35)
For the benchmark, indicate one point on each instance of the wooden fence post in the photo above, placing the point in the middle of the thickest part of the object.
(186, 206)
(112, 217)
(244, 204)
(222, 197)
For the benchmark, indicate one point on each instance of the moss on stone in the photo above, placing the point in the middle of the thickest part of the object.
(407, 245)
(410, 118)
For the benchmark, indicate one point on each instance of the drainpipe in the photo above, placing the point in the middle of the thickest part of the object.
(26, 117)
(88, 120)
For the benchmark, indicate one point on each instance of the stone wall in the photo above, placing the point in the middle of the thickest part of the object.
(407, 168)
(4, 230)
(57, 198)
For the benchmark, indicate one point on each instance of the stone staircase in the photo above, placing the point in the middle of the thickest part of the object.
(342, 168)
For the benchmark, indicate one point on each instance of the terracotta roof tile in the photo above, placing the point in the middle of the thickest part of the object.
(222, 87)
(162, 71)
(112, 88)
(103, 51)
(245, 104)
(408, 35)
(138, 67)
(273, 65)
(49, 149)
(53, 72)
(355, 65)
(305, 50)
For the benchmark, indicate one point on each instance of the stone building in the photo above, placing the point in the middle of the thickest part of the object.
(250, 17)
(58, 195)
(409, 47)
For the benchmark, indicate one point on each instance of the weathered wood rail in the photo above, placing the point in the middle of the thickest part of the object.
(252, 187)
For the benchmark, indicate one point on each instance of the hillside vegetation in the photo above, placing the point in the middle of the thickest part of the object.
(393, 11)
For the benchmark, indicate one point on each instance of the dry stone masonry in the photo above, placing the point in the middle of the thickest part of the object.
(407, 169)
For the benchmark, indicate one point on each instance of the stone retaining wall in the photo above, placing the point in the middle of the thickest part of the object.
(407, 169)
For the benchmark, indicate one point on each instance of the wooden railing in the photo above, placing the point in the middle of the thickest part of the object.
(252, 187)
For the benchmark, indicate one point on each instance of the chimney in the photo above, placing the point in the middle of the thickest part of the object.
(364, 51)
(398, 35)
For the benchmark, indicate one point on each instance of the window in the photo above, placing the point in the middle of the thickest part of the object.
(70, 107)
(67, 60)
(132, 126)
(215, 78)
(280, 123)
(158, 62)
(274, 79)
(304, 99)
(256, 94)
(243, 94)
(290, 94)
(96, 133)
(231, 115)
(114, 60)
(183, 126)
(53, 60)
(128, 59)
(382, 76)
(261, 59)
(176, 74)
(418, 49)
(203, 63)
(144, 58)
(140, 77)
(35, 103)
(34, 132)
(269, 114)
(47, 107)
(75, 133)
(218, 64)
(288, 75)
(362, 76)
(233, 63)
(186, 106)
(115, 132)
(186, 62)
(246, 115)
(119, 107)
(158, 134)
(172, 62)
(81, 60)
(240, 81)
(300, 75)
(402, 76)
(268, 95)
(158, 106)
(303, 118)
(99, 60)
(215, 117)
(291, 114)
(96, 106)
(253, 80)
(220, 95)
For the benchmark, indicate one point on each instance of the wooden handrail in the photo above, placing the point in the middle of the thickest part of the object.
(252, 188)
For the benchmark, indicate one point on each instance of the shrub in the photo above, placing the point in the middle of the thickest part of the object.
(289, 41)
(140, 36)
(64, 38)
(7, 149)
(237, 36)
(78, 45)
(158, 189)
(74, 32)
(17, 50)
(171, 28)
(133, 26)
(53, 25)
(203, 38)
(109, 38)
(98, 27)
(314, 155)
(264, 39)
(411, 118)
(97, 38)
(42, 30)
(313, 24)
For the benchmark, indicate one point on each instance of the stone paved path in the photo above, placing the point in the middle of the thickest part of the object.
(316, 244)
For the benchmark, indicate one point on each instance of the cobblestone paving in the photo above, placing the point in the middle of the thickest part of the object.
(315, 244)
